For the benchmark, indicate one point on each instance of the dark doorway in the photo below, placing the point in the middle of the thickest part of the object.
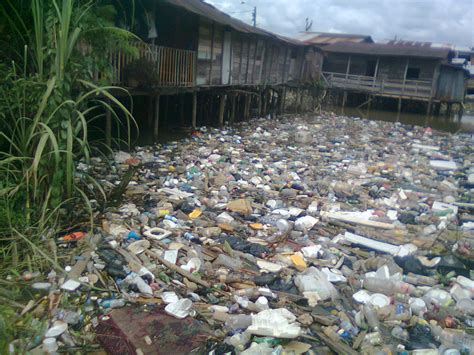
(371, 67)
(413, 73)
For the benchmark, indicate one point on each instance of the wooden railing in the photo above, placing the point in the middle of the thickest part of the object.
(173, 67)
(388, 87)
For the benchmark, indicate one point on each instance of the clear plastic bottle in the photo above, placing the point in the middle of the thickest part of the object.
(453, 338)
(238, 321)
(420, 280)
(386, 286)
(371, 317)
(113, 303)
(228, 262)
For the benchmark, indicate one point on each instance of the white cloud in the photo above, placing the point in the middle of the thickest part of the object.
(444, 21)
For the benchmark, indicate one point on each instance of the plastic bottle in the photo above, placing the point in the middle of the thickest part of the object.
(113, 303)
(419, 280)
(228, 262)
(387, 287)
(373, 338)
(238, 321)
(143, 287)
(371, 317)
(457, 339)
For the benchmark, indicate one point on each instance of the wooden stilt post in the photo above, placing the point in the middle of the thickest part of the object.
(247, 107)
(300, 109)
(156, 123)
(181, 110)
(232, 112)
(150, 111)
(167, 106)
(259, 103)
(273, 106)
(448, 109)
(194, 114)
(428, 108)
(265, 99)
(344, 99)
(108, 127)
(461, 111)
(221, 110)
(399, 105)
(283, 101)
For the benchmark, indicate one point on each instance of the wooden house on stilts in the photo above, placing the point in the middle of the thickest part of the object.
(199, 66)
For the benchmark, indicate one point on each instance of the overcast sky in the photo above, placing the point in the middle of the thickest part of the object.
(443, 21)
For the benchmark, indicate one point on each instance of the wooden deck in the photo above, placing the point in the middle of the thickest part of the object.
(405, 89)
(173, 67)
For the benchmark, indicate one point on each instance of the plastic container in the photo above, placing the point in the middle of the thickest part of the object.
(50, 345)
(262, 303)
(179, 309)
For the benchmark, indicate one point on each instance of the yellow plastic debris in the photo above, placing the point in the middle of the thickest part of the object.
(195, 214)
(162, 213)
(256, 226)
(299, 262)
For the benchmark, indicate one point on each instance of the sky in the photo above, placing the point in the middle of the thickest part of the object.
(440, 21)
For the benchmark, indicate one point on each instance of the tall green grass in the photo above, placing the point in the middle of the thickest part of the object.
(48, 102)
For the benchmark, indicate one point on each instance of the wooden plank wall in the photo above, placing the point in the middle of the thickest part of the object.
(255, 60)
(204, 52)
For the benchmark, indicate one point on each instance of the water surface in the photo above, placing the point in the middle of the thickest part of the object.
(451, 124)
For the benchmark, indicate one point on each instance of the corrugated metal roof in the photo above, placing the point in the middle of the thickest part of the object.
(206, 10)
(325, 38)
(388, 50)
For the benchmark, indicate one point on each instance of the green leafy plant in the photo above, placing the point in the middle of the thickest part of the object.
(50, 97)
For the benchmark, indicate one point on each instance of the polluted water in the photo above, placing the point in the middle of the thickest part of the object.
(306, 234)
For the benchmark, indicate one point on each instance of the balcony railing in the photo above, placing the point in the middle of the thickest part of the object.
(386, 87)
(173, 67)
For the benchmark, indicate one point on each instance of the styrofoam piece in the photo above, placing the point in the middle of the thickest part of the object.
(361, 218)
(378, 300)
(179, 309)
(425, 147)
(56, 329)
(70, 285)
(139, 246)
(333, 275)
(361, 296)
(305, 223)
(392, 215)
(193, 265)
(169, 297)
(278, 323)
(171, 256)
(156, 233)
(175, 192)
(312, 251)
(395, 250)
(443, 164)
(268, 266)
